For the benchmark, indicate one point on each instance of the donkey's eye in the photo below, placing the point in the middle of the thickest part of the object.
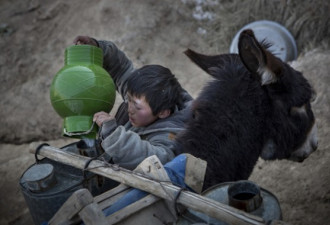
(313, 97)
(295, 111)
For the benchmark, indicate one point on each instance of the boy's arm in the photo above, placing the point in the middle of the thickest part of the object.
(127, 149)
(117, 64)
(107, 128)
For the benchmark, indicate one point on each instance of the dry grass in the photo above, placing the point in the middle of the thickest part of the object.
(307, 20)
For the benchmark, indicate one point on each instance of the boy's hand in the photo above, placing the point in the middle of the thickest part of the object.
(84, 40)
(101, 117)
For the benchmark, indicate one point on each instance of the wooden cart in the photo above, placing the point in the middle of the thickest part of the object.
(158, 207)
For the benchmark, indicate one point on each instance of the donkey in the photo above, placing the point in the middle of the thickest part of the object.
(257, 106)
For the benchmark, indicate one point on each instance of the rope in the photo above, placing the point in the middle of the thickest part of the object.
(176, 201)
(37, 151)
(86, 166)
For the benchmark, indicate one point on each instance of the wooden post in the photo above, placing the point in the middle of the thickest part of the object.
(163, 190)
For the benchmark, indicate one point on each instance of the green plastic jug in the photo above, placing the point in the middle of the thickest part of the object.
(80, 89)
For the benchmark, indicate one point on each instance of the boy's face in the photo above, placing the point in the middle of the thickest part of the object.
(139, 111)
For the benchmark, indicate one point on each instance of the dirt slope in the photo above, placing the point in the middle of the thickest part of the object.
(33, 36)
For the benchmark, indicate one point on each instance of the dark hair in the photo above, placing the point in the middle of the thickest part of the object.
(159, 86)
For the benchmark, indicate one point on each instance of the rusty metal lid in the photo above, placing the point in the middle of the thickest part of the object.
(244, 195)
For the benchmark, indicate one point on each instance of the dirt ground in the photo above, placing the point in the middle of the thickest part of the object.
(33, 37)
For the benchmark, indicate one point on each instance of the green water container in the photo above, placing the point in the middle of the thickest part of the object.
(80, 89)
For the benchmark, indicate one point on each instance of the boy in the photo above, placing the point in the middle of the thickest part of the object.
(154, 111)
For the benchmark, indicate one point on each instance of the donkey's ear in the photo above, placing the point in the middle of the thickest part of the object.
(209, 63)
(258, 60)
(205, 62)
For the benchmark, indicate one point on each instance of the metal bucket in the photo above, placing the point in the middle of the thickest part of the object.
(244, 195)
(47, 184)
(282, 41)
